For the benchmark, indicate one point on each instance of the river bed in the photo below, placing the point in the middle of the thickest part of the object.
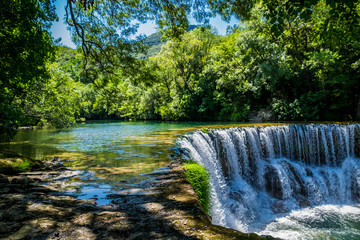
(110, 156)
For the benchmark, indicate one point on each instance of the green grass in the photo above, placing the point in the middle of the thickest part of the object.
(198, 177)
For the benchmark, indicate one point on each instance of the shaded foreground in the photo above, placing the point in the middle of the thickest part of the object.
(164, 208)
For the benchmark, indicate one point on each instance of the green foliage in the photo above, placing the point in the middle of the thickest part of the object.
(198, 177)
(201, 76)
(298, 58)
(25, 47)
(58, 105)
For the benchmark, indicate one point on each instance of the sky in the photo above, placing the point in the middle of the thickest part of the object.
(59, 29)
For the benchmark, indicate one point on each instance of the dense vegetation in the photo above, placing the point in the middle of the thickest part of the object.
(295, 60)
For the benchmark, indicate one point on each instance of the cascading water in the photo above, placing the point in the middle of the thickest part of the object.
(284, 181)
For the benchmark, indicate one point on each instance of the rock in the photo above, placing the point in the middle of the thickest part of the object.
(278, 207)
(86, 207)
(4, 228)
(3, 178)
(15, 213)
(303, 202)
(136, 236)
(82, 233)
(308, 172)
(273, 182)
(42, 188)
(48, 210)
(43, 224)
(24, 232)
(5, 190)
(83, 219)
(21, 180)
(151, 207)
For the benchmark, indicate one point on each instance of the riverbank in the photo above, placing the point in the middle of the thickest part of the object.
(165, 207)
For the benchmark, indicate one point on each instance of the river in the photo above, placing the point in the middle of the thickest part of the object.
(113, 156)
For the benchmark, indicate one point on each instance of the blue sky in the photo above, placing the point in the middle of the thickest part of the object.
(59, 29)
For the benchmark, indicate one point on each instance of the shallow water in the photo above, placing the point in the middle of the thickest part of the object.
(111, 156)
(117, 152)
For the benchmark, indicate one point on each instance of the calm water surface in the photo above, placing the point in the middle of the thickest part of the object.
(115, 151)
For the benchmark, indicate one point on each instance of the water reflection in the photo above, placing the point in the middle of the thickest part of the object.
(115, 151)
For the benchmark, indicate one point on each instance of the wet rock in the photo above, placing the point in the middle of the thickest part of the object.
(116, 221)
(5, 190)
(15, 213)
(82, 233)
(48, 210)
(3, 178)
(86, 207)
(62, 201)
(278, 207)
(42, 188)
(55, 163)
(4, 228)
(273, 183)
(136, 236)
(21, 216)
(297, 182)
(308, 172)
(303, 202)
(83, 219)
(21, 180)
(24, 232)
(43, 224)
(151, 207)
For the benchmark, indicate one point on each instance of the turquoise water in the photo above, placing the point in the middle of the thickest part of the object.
(121, 153)
(114, 151)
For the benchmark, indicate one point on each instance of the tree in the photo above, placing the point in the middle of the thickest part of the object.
(25, 47)
(178, 72)
(104, 29)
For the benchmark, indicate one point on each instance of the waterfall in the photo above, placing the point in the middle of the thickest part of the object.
(259, 173)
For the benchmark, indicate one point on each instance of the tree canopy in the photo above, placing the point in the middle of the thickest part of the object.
(296, 60)
(25, 48)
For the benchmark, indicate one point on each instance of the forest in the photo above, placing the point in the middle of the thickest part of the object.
(296, 60)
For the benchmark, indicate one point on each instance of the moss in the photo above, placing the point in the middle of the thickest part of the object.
(11, 163)
(198, 177)
(204, 130)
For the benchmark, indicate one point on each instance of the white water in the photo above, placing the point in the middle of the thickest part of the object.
(291, 181)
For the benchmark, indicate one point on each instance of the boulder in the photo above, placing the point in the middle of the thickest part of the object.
(273, 183)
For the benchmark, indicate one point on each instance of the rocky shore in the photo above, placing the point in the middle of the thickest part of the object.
(32, 206)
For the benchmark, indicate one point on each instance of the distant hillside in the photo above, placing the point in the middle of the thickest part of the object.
(66, 55)
(154, 41)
